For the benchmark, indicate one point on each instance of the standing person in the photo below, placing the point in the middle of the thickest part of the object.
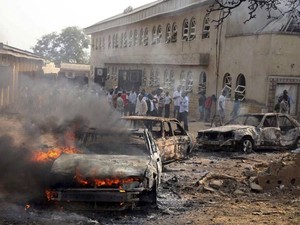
(284, 102)
(132, 98)
(236, 106)
(161, 101)
(167, 103)
(221, 106)
(176, 98)
(184, 110)
(207, 107)
(124, 96)
(201, 103)
(120, 104)
(141, 106)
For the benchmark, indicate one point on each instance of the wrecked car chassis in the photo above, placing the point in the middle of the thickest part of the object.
(104, 198)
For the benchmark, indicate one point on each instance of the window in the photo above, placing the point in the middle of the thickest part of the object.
(144, 78)
(192, 31)
(202, 82)
(141, 36)
(185, 30)
(117, 41)
(146, 37)
(153, 36)
(122, 40)
(157, 78)
(103, 42)
(96, 44)
(168, 33)
(227, 84)
(206, 27)
(125, 40)
(93, 43)
(151, 78)
(109, 41)
(189, 82)
(166, 79)
(241, 86)
(172, 80)
(130, 39)
(174, 33)
(135, 38)
(159, 34)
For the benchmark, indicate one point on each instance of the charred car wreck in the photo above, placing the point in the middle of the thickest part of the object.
(253, 131)
(173, 141)
(118, 170)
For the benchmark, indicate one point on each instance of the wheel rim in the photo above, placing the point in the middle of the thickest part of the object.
(247, 145)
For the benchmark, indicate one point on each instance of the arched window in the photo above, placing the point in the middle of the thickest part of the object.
(202, 82)
(185, 30)
(135, 38)
(172, 80)
(109, 41)
(103, 42)
(192, 31)
(113, 41)
(166, 80)
(206, 27)
(189, 82)
(153, 36)
(174, 32)
(151, 78)
(130, 39)
(122, 41)
(159, 34)
(157, 78)
(168, 33)
(125, 40)
(146, 37)
(182, 79)
(227, 84)
(96, 43)
(144, 78)
(141, 36)
(241, 86)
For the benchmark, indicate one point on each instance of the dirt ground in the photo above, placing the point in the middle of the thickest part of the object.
(209, 188)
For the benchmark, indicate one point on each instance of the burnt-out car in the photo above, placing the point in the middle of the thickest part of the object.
(118, 170)
(253, 131)
(173, 141)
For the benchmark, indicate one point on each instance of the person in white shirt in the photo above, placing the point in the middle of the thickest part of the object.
(167, 103)
(176, 98)
(221, 106)
(132, 98)
(141, 106)
(184, 110)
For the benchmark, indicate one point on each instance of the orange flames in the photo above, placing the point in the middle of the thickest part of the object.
(104, 182)
(41, 156)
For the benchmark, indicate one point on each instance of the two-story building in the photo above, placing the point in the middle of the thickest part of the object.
(174, 42)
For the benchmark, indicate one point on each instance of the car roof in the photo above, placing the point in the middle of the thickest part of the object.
(152, 118)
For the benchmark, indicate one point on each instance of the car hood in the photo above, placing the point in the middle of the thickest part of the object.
(226, 128)
(100, 166)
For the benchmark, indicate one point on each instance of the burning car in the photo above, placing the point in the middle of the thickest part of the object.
(173, 141)
(253, 131)
(117, 171)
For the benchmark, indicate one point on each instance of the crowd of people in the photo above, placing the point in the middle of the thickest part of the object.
(155, 103)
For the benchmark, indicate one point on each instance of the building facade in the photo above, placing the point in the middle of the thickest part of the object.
(174, 42)
(14, 63)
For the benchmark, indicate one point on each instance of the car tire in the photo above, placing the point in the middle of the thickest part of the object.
(246, 145)
(297, 144)
(149, 197)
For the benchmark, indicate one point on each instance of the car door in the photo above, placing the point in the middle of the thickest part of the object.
(182, 140)
(167, 144)
(288, 131)
(270, 131)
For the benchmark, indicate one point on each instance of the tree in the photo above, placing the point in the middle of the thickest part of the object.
(273, 8)
(70, 46)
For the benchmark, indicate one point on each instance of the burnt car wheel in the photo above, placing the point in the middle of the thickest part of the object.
(246, 145)
(297, 143)
(149, 197)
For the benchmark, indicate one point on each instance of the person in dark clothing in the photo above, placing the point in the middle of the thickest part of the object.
(201, 102)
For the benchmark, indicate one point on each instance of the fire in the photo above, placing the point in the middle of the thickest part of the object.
(95, 182)
(42, 156)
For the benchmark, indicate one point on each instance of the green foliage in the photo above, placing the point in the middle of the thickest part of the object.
(70, 46)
